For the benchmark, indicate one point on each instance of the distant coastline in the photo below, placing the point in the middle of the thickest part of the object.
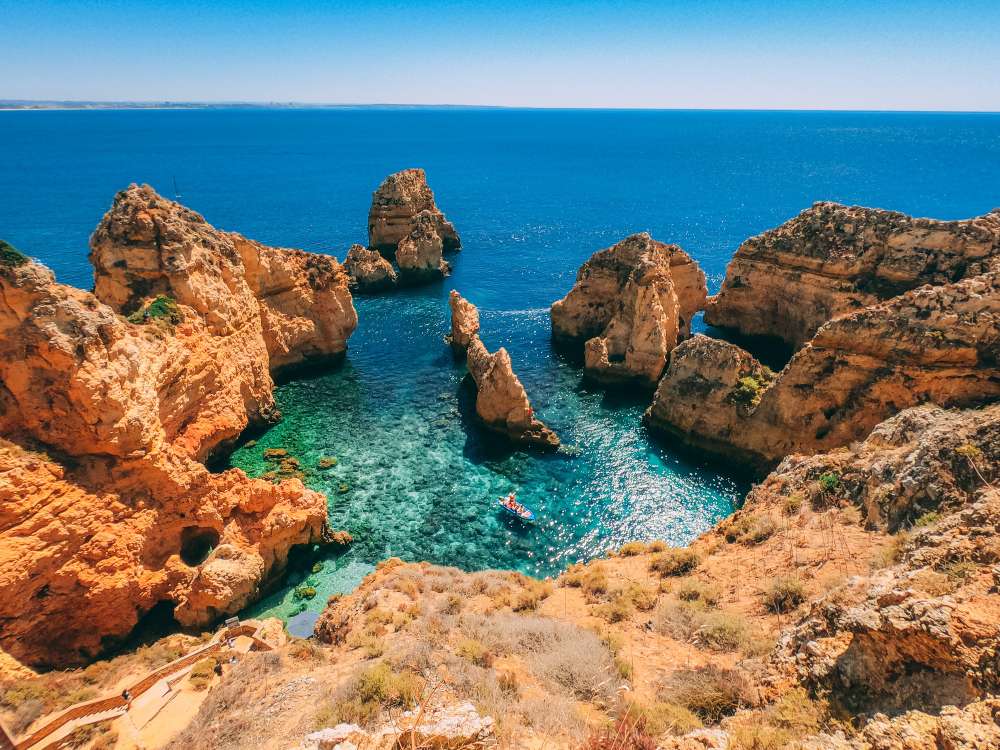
(20, 104)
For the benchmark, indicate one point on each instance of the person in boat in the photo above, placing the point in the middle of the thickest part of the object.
(515, 506)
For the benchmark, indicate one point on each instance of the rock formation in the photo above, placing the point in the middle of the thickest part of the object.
(124, 516)
(419, 253)
(833, 259)
(631, 304)
(501, 401)
(933, 344)
(368, 271)
(395, 208)
(464, 322)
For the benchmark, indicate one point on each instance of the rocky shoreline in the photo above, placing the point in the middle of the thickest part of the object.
(877, 446)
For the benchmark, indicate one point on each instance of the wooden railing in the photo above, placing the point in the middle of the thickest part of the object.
(249, 628)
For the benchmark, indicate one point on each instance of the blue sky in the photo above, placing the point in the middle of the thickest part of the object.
(785, 54)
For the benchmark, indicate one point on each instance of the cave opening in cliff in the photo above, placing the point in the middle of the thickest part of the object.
(768, 350)
(197, 544)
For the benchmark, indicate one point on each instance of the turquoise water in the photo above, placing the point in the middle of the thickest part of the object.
(533, 194)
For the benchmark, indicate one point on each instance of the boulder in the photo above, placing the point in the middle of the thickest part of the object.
(368, 271)
(419, 253)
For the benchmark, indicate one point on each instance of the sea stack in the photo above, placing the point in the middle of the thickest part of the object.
(630, 306)
(501, 401)
(464, 323)
(129, 389)
(400, 199)
(419, 254)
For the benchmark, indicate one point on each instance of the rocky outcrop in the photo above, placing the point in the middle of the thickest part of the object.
(501, 401)
(130, 518)
(935, 344)
(419, 253)
(368, 271)
(833, 259)
(464, 322)
(631, 304)
(450, 727)
(400, 199)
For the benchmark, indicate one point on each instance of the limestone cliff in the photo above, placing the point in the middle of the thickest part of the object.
(131, 405)
(833, 259)
(631, 304)
(368, 271)
(464, 322)
(501, 401)
(936, 344)
(400, 199)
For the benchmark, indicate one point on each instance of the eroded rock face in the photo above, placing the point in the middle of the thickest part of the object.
(133, 518)
(464, 322)
(631, 304)
(501, 401)
(934, 345)
(395, 208)
(368, 270)
(833, 259)
(419, 253)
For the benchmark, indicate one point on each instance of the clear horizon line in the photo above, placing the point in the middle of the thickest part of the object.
(84, 104)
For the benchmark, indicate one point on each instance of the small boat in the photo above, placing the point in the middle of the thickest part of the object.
(525, 513)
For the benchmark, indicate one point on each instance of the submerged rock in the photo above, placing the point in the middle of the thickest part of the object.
(400, 199)
(464, 323)
(501, 401)
(368, 271)
(630, 306)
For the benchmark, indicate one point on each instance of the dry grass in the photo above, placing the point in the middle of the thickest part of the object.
(230, 717)
(632, 549)
(676, 562)
(560, 654)
(366, 697)
(784, 594)
(710, 693)
(891, 552)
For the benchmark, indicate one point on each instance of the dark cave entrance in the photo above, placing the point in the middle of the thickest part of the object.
(197, 544)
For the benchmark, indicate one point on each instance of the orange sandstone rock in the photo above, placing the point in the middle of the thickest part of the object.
(631, 304)
(396, 205)
(131, 518)
(502, 403)
(464, 322)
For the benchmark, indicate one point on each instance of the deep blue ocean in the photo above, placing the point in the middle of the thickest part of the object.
(533, 194)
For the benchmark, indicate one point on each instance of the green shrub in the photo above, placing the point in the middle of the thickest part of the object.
(662, 718)
(201, 673)
(675, 562)
(632, 549)
(11, 256)
(749, 390)
(162, 308)
(624, 668)
(724, 632)
(784, 594)
(829, 483)
(696, 591)
(475, 652)
(927, 519)
(792, 503)
(658, 546)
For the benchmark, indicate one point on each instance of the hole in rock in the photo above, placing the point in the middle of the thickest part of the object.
(197, 544)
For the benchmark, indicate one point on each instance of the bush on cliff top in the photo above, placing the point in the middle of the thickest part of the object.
(11, 256)
(162, 308)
